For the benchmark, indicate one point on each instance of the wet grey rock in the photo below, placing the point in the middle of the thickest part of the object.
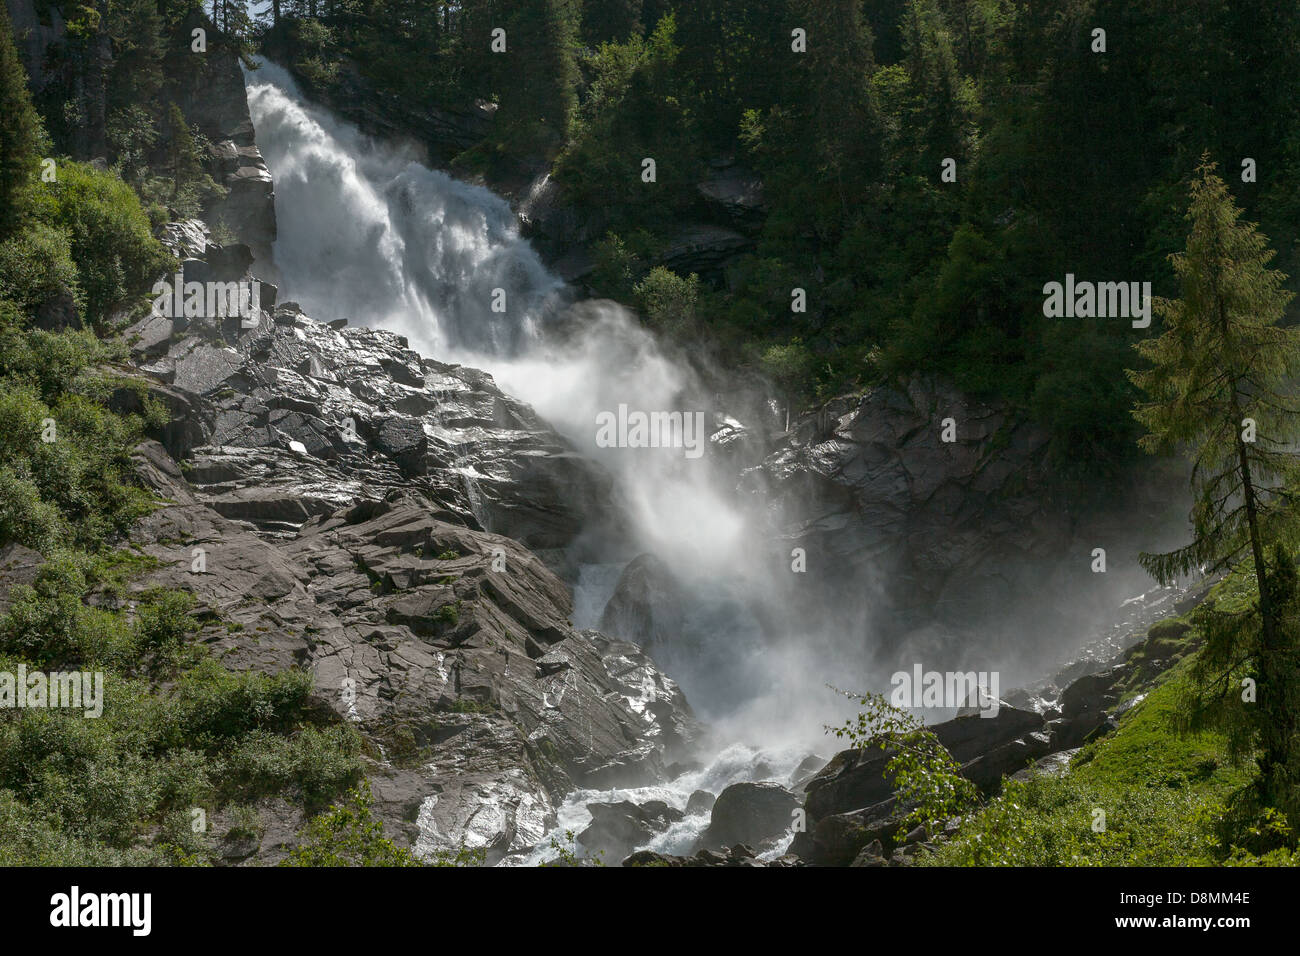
(1091, 693)
(752, 813)
(807, 769)
(646, 606)
(328, 416)
(478, 743)
(873, 854)
(963, 530)
(618, 828)
(838, 839)
(700, 801)
(351, 524)
(186, 238)
(215, 100)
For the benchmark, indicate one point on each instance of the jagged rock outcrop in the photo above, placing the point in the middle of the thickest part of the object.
(214, 99)
(646, 606)
(298, 419)
(369, 553)
(965, 532)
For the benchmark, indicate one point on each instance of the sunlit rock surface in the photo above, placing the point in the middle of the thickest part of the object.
(345, 505)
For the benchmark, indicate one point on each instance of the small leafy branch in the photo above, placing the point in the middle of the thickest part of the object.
(566, 853)
(926, 777)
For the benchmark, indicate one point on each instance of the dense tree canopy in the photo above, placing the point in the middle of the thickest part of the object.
(1063, 152)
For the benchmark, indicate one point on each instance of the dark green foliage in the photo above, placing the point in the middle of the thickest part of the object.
(348, 835)
(540, 73)
(110, 237)
(36, 266)
(20, 134)
(122, 786)
(1220, 389)
(606, 21)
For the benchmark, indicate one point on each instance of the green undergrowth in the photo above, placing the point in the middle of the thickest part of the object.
(1143, 795)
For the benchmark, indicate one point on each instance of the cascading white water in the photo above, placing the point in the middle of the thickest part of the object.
(369, 234)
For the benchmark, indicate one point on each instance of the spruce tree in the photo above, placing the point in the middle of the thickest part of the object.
(540, 85)
(20, 134)
(1220, 389)
(183, 153)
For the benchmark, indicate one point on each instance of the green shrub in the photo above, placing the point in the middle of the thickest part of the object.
(35, 265)
(668, 301)
(112, 243)
(348, 835)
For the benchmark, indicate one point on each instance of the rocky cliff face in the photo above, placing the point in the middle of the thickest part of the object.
(214, 100)
(959, 533)
(339, 503)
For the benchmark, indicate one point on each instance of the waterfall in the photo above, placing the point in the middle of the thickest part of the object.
(367, 233)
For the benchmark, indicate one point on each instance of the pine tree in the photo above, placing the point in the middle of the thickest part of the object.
(1219, 390)
(183, 153)
(540, 85)
(20, 133)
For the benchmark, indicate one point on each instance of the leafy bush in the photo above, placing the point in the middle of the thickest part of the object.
(348, 835)
(111, 240)
(36, 265)
(668, 300)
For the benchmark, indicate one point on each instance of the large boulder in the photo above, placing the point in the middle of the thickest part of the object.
(616, 829)
(750, 813)
(646, 606)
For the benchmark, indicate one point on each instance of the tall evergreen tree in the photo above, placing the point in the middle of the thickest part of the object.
(20, 133)
(1220, 388)
(540, 84)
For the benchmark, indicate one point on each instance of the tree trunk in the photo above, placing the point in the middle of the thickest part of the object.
(1276, 726)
